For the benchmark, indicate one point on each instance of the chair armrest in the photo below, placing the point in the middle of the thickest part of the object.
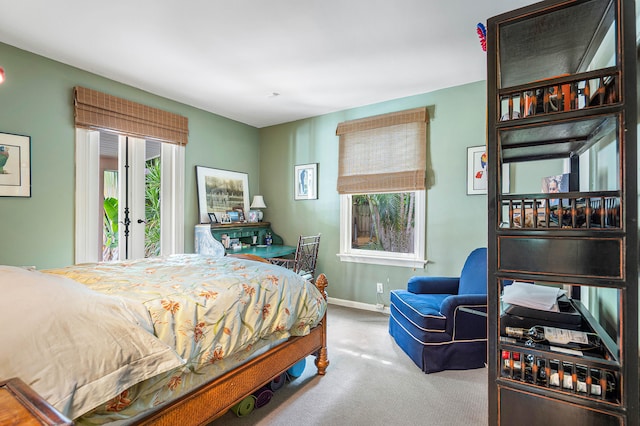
(433, 285)
(461, 324)
(449, 305)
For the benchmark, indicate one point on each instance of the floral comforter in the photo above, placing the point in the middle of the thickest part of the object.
(213, 311)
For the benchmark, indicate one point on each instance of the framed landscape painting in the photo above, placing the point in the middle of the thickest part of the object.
(220, 191)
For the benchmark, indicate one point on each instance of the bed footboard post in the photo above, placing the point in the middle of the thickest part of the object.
(322, 360)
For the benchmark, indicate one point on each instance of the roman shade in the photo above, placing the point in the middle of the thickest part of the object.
(100, 111)
(383, 153)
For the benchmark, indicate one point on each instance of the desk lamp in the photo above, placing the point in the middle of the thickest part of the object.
(258, 203)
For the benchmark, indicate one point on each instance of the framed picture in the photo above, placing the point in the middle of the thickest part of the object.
(305, 182)
(220, 191)
(15, 165)
(233, 215)
(240, 212)
(556, 184)
(477, 171)
(213, 218)
(253, 216)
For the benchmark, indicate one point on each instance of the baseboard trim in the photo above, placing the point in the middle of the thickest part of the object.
(357, 305)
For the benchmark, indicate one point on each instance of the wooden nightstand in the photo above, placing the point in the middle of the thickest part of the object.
(21, 405)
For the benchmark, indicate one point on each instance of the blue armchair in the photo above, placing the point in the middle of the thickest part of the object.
(427, 323)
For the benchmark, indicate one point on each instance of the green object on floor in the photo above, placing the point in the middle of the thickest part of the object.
(245, 406)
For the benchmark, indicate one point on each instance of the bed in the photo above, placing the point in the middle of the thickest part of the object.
(170, 340)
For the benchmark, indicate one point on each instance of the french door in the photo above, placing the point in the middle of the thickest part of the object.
(129, 197)
(132, 188)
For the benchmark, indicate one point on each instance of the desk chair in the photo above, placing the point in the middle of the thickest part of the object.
(304, 260)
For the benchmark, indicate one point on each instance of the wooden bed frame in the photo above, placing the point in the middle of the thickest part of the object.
(214, 399)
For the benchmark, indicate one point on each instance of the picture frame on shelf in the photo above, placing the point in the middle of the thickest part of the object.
(15, 165)
(477, 171)
(253, 216)
(240, 211)
(305, 182)
(234, 216)
(555, 183)
(220, 191)
(212, 218)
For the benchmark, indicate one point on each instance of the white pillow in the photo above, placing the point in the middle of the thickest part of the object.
(75, 347)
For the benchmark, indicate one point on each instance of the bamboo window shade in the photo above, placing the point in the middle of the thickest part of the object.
(100, 111)
(383, 153)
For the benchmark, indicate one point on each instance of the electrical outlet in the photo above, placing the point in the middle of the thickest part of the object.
(379, 288)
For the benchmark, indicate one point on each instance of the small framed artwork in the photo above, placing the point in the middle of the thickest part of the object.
(556, 184)
(240, 211)
(477, 162)
(233, 216)
(212, 218)
(15, 165)
(305, 182)
(253, 216)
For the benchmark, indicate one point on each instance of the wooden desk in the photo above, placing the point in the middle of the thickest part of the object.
(266, 251)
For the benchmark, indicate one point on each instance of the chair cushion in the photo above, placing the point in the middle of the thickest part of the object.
(418, 335)
(423, 310)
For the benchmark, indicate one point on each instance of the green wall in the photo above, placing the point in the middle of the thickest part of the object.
(37, 100)
(456, 222)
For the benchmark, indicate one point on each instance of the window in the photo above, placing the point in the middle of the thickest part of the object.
(381, 181)
(383, 228)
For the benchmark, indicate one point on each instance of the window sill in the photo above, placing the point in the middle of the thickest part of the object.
(382, 260)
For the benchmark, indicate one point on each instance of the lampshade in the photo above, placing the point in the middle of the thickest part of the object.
(258, 202)
(1, 75)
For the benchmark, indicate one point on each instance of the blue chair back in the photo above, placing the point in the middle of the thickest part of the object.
(473, 278)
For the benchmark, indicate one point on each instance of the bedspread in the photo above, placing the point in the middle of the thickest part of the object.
(208, 308)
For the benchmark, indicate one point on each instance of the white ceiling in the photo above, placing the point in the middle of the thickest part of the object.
(231, 57)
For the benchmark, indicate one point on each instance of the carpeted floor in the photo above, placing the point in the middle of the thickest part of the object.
(370, 381)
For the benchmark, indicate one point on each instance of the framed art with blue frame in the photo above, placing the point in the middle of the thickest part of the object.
(305, 182)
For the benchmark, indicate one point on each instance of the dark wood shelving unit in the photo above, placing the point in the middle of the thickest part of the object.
(562, 85)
